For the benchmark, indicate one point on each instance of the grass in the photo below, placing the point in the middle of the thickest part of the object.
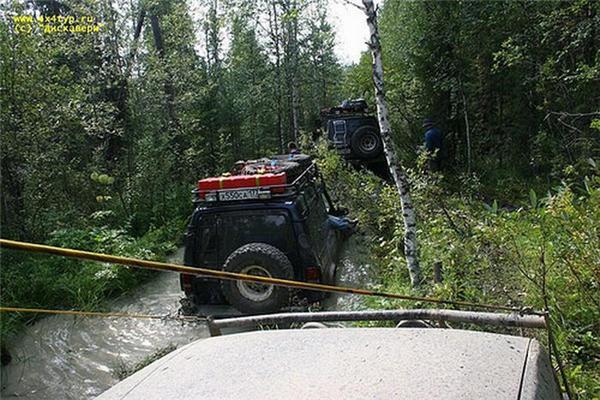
(42, 281)
(122, 370)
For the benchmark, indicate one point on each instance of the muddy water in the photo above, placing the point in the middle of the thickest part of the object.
(75, 358)
(64, 357)
(354, 270)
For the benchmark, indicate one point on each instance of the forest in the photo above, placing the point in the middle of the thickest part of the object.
(104, 134)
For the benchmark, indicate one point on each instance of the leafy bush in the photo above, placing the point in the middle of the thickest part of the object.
(543, 254)
(43, 281)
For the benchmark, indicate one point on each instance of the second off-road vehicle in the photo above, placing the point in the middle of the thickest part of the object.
(352, 131)
(268, 217)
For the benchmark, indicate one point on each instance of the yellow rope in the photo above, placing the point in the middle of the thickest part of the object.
(161, 266)
(99, 314)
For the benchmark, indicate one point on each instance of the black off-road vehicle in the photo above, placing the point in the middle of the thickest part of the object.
(352, 131)
(268, 217)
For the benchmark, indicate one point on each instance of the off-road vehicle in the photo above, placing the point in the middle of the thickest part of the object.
(352, 131)
(267, 217)
(352, 363)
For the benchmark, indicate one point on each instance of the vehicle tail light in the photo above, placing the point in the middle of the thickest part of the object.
(313, 274)
(186, 283)
(211, 196)
(278, 189)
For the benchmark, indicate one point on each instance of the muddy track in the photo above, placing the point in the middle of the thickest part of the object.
(70, 358)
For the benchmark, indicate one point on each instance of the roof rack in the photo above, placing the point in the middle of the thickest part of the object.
(259, 192)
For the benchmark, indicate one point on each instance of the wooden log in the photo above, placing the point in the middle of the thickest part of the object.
(478, 318)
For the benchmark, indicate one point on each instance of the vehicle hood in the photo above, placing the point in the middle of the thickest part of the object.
(352, 363)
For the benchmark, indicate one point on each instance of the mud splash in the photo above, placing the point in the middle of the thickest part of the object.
(355, 269)
(78, 358)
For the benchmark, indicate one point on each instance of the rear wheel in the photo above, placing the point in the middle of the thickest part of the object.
(262, 260)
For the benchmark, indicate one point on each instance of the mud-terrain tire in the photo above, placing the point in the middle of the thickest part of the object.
(366, 143)
(257, 259)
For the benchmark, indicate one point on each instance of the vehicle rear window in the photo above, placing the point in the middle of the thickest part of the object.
(239, 228)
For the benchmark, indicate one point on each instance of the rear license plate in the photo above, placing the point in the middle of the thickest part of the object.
(246, 194)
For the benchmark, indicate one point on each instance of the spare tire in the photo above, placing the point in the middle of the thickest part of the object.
(263, 260)
(366, 142)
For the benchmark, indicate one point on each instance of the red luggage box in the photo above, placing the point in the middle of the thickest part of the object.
(240, 181)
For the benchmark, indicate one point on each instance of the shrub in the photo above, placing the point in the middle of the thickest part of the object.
(543, 254)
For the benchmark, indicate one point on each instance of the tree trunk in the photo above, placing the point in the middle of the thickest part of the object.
(274, 26)
(294, 82)
(467, 127)
(290, 52)
(396, 170)
(295, 109)
(169, 89)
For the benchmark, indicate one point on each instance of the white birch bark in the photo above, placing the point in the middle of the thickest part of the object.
(396, 170)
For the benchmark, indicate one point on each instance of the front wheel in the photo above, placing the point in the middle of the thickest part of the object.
(262, 260)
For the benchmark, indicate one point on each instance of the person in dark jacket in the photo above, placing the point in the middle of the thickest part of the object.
(433, 145)
(293, 148)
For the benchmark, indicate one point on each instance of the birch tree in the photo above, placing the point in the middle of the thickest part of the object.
(395, 166)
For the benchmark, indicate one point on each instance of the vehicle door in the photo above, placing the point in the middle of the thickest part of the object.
(323, 237)
(332, 236)
(204, 244)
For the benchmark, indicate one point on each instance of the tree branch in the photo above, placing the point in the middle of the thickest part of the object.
(348, 2)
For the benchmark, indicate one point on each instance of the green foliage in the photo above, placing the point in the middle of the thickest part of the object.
(543, 254)
(104, 135)
(123, 370)
(103, 138)
(122, 128)
(525, 76)
(43, 281)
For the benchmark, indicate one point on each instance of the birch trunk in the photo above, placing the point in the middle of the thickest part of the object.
(396, 170)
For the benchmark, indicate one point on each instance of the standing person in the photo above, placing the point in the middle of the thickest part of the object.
(293, 148)
(433, 145)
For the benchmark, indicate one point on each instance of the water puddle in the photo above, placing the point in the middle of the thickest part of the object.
(76, 358)
(68, 358)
